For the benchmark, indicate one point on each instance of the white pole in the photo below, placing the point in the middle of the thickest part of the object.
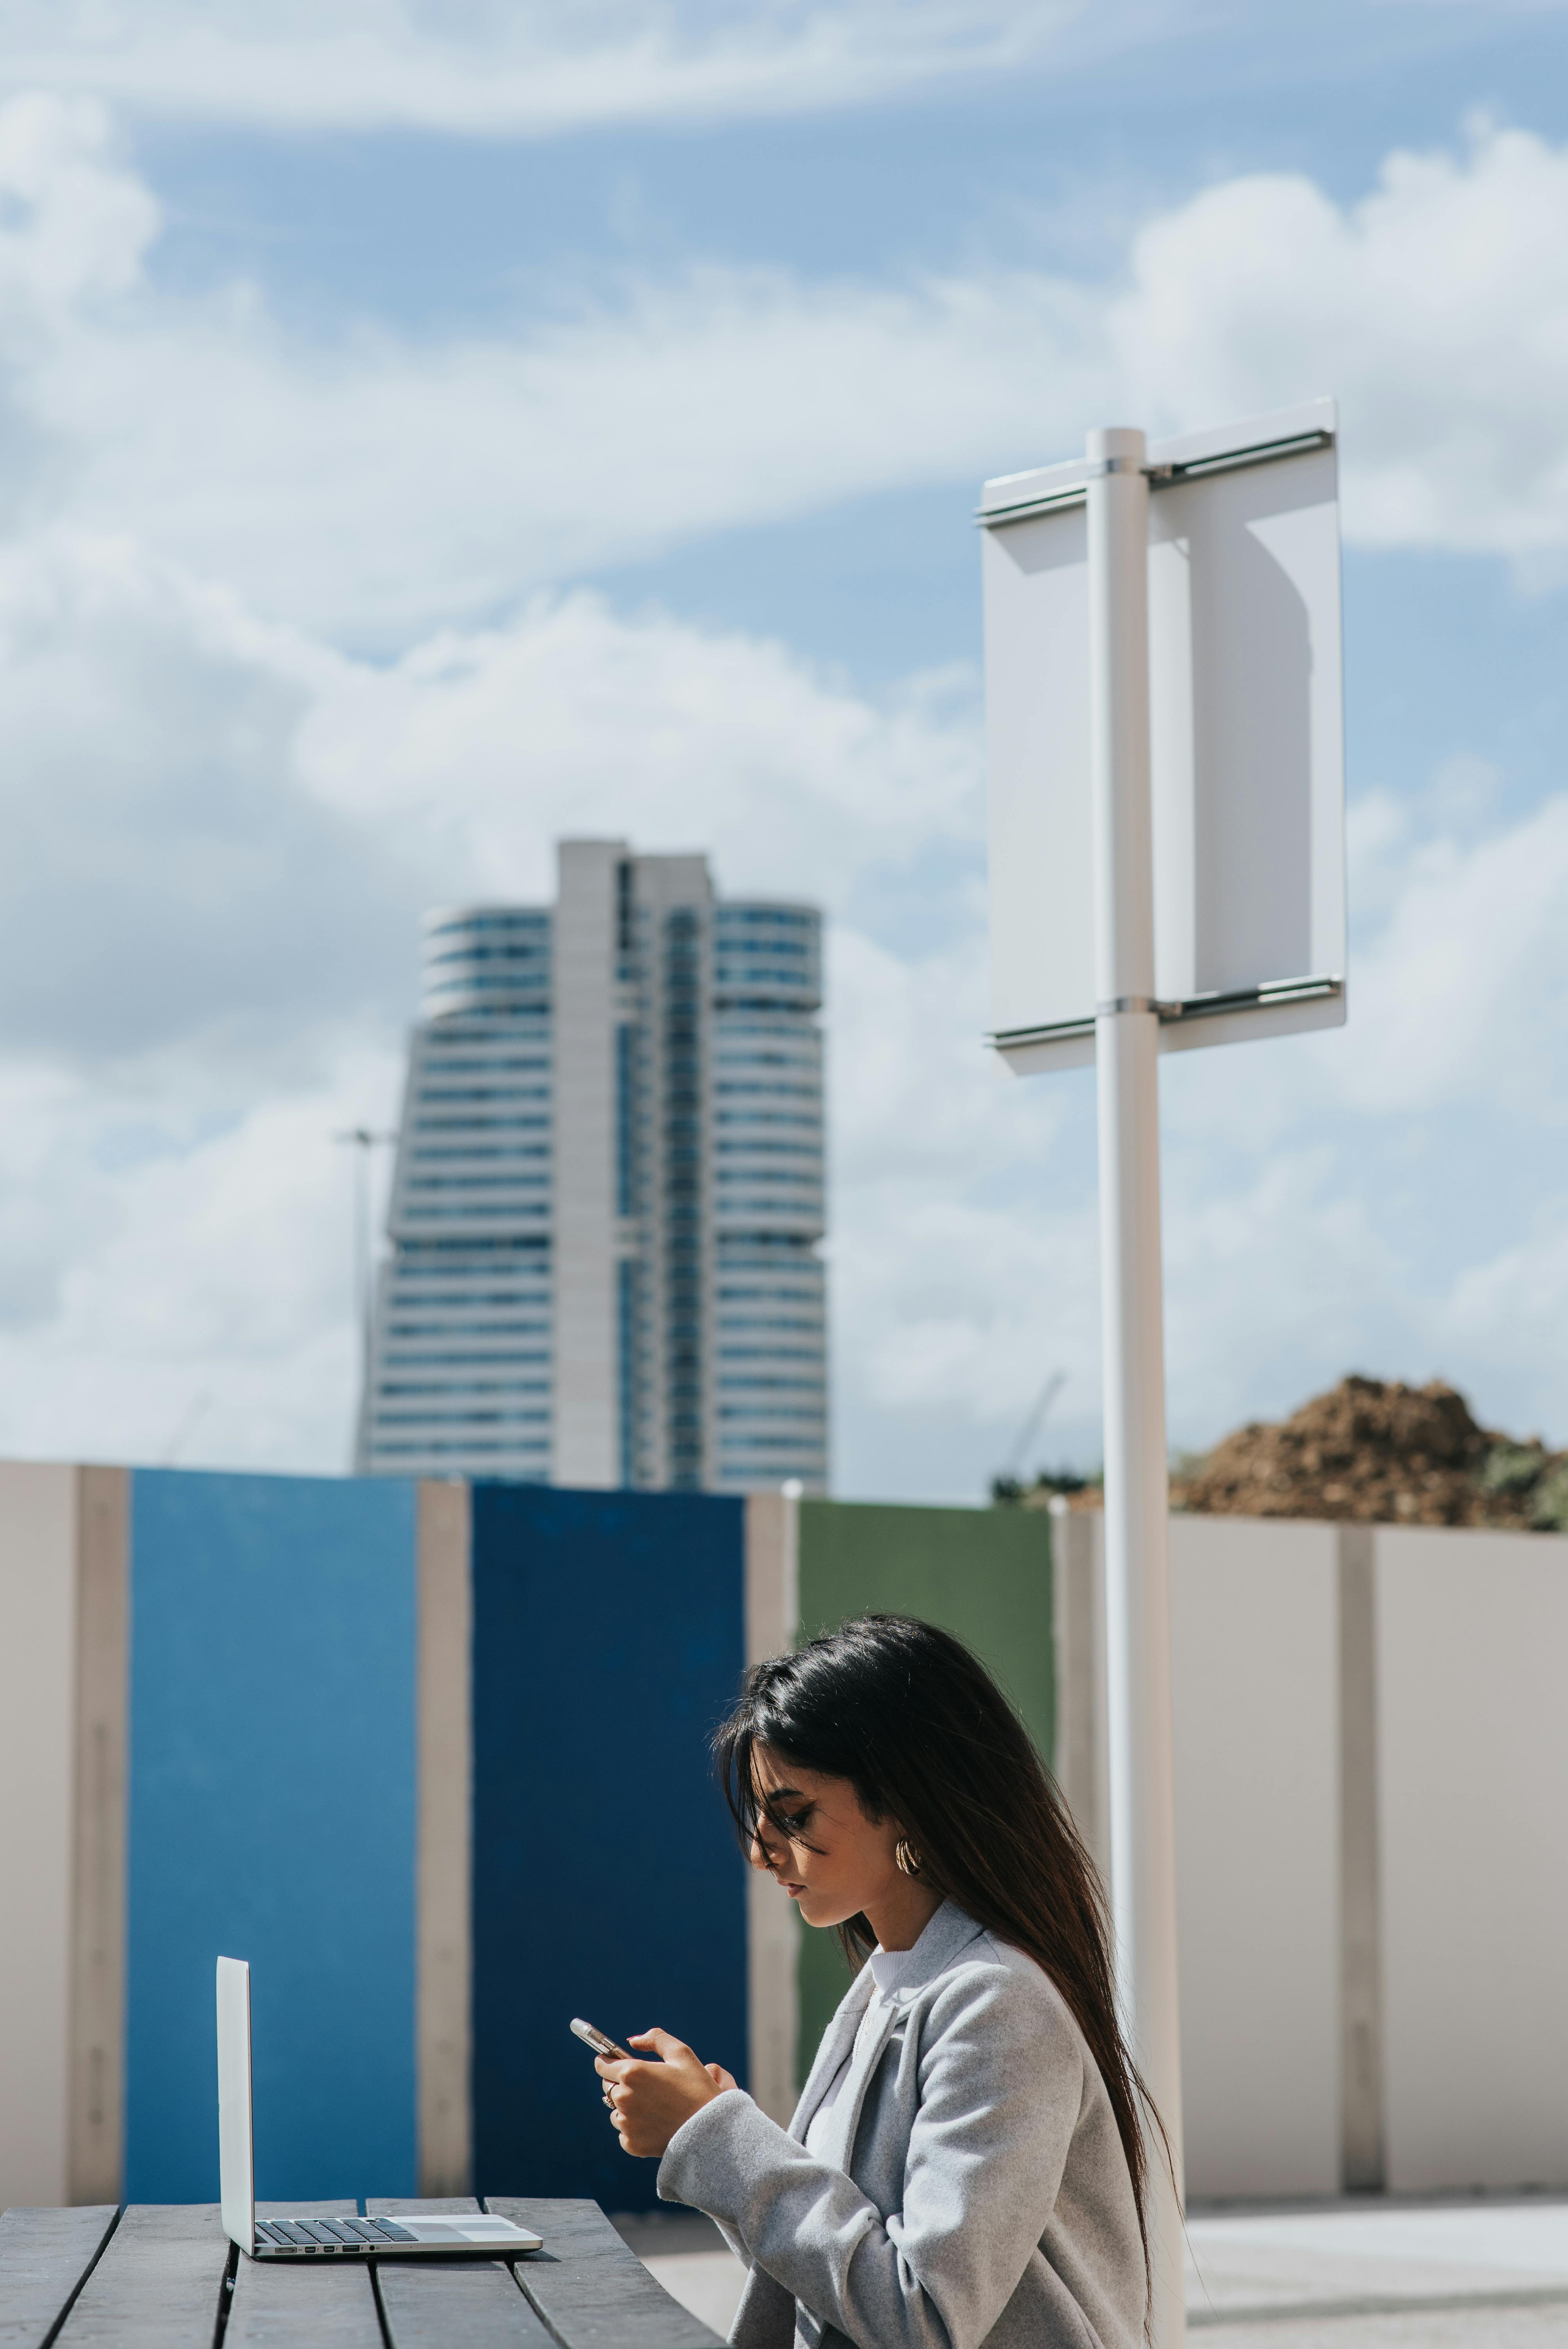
(1137, 1540)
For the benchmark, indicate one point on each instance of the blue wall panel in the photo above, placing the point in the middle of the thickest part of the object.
(272, 1818)
(608, 1641)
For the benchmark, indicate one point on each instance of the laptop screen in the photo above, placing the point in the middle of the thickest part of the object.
(236, 2172)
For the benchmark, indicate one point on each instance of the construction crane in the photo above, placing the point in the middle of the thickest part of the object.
(1029, 1432)
(364, 1140)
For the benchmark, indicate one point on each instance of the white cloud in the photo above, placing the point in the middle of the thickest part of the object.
(80, 226)
(1504, 1317)
(945, 1275)
(477, 750)
(223, 816)
(372, 485)
(523, 70)
(175, 1220)
(1384, 1197)
(379, 487)
(1285, 1267)
(221, 833)
(1458, 982)
(1437, 308)
(169, 880)
(537, 68)
(197, 1289)
(1465, 988)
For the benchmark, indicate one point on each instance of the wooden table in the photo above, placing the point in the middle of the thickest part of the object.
(165, 2276)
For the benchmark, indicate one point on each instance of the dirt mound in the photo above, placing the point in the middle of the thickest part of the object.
(1380, 1451)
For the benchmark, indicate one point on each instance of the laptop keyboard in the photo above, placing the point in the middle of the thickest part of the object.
(331, 2234)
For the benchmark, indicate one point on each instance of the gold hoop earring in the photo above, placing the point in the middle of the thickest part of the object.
(906, 1858)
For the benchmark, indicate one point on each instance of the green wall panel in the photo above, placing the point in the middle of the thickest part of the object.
(985, 1574)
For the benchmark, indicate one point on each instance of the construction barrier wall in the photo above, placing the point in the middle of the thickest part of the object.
(434, 1761)
(270, 1814)
(608, 1639)
(1372, 1864)
(986, 1575)
(433, 1758)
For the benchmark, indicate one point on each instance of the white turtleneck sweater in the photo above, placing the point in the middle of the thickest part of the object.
(886, 1967)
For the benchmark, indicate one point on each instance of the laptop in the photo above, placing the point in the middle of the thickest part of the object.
(405, 2235)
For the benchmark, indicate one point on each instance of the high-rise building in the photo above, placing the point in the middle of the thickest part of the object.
(608, 1200)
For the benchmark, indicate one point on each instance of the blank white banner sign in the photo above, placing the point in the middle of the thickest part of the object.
(1247, 739)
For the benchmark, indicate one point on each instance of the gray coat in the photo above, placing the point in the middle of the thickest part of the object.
(972, 2188)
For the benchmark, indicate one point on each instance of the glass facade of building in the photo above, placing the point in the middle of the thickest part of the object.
(765, 1127)
(647, 1047)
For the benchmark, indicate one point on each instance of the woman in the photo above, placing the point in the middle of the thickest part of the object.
(966, 2163)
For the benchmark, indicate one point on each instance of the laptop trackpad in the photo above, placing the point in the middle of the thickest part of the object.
(467, 2227)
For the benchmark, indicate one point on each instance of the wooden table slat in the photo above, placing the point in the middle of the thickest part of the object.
(44, 2255)
(287, 2304)
(434, 2303)
(592, 2291)
(158, 2283)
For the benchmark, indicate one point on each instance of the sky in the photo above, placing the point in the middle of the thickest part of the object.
(429, 429)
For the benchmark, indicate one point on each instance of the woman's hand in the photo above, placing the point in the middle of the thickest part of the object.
(648, 2102)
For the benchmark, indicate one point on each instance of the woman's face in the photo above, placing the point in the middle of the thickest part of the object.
(813, 1836)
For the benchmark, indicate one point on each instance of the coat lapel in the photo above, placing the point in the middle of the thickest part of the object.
(837, 2041)
(845, 2116)
(949, 1930)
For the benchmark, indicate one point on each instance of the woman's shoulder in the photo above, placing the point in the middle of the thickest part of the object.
(991, 1978)
(989, 1966)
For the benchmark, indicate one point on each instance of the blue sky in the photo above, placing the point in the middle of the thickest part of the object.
(429, 431)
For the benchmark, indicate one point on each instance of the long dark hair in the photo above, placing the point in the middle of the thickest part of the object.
(924, 1734)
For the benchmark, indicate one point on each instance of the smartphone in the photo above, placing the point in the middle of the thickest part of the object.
(597, 2041)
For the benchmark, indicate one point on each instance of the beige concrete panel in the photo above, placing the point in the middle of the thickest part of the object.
(1362, 2163)
(1077, 1607)
(37, 1715)
(772, 1574)
(772, 1925)
(96, 2123)
(1472, 1655)
(1255, 1661)
(443, 1863)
